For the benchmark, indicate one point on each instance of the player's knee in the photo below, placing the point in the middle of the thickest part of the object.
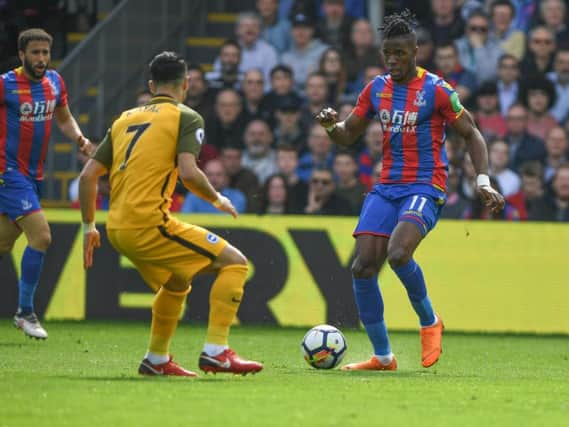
(41, 241)
(397, 256)
(363, 269)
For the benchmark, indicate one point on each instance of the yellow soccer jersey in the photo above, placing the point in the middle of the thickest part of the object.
(140, 150)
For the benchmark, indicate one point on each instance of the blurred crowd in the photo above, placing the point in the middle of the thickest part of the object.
(507, 59)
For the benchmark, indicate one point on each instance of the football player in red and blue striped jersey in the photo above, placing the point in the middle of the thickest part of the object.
(31, 96)
(414, 107)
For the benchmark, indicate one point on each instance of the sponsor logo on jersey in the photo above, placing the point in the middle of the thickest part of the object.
(39, 111)
(200, 135)
(399, 121)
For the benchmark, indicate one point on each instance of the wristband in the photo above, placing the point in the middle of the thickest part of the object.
(331, 128)
(88, 227)
(483, 180)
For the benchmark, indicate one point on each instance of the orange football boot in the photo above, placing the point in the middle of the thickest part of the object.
(372, 364)
(170, 368)
(431, 339)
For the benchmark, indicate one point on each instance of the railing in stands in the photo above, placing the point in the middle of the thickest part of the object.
(104, 72)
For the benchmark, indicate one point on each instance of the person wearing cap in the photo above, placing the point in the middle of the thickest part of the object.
(488, 116)
(306, 50)
(288, 129)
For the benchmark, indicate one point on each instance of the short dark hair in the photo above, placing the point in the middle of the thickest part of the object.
(167, 67)
(538, 82)
(399, 24)
(230, 42)
(506, 3)
(505, 56)
(282, 68)
(287, 147)
(196, 67)
(446, 45)
(532, 168)
(33, 34)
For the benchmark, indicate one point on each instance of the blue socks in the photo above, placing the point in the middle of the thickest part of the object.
(370, 308)
(32, 263)
(412, 277)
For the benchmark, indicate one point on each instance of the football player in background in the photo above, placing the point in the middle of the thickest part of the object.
(144, 152)
(31, 96)
(413, 106)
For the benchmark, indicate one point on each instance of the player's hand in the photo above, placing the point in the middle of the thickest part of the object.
(86, 147)
(327, 117)
(224, 204)
(491, 198)
(91, 240)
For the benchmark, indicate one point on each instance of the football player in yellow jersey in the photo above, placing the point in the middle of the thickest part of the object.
(144, 152)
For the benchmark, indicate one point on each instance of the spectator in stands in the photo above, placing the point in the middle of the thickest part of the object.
(258, 155)
(360, 53)
(426, 49)
(555, 206)
(477, 209)
(445, 23)
(335, 26)
(478, 51)
(240, 177)
(217, 176)
(449, 68)
(275, 30)
(252, 90)
(305, 52)
(347, 185)
(553, 15)
(532, 190)
(316, 91)
(508, 84)
(512, 41)
(344, 109)
(274, 196)
(282, 85)
(499, 157)
(287, 164)
(560, 78)
(322, 198)
(227, 69)
(490, 121)
(539, 56)
(557, 146)
(456, 204)
(320, 154)
(371, 154)
(255, 52)
(288, 129)
(523, 146)
(142, 97)
(538, 95)
(200, 97)
(228, 124)
(333, 67)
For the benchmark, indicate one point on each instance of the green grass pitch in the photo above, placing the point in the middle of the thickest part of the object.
(85, 375)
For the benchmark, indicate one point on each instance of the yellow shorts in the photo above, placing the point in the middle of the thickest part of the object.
(175, 248)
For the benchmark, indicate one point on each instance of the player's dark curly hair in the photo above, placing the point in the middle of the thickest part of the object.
(167, 67)
(399, 24)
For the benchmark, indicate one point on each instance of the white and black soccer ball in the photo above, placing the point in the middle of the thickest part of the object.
(324, 347)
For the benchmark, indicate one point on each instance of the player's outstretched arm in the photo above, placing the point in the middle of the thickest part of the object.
(345, 132)
(69, 127)
(196, 181)
(88, 201)
(466, 127)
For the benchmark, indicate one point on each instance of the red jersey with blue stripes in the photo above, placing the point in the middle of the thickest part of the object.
(413, 118)
(26, 113)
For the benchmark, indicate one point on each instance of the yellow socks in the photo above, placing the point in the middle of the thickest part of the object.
(166, 311)
(224, 300)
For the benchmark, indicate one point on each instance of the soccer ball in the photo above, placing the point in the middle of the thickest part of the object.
(324, 347)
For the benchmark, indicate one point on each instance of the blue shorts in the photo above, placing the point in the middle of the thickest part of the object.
(388, 204)
(19, 195)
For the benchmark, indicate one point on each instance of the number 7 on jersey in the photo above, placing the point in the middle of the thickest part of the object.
(139, 130)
